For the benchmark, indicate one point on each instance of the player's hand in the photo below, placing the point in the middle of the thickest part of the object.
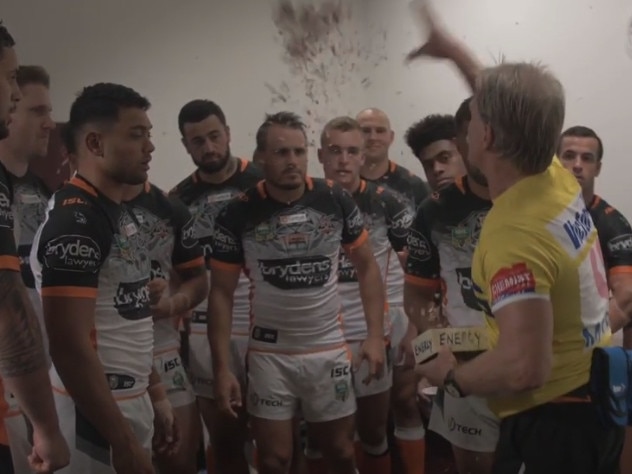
(156, 288)
(373, 351)
(438, 44)
(227, 392)
(438, 367)
(163, 309)
(166, 429)
(50, 451)
(131, 458)
(405, 354)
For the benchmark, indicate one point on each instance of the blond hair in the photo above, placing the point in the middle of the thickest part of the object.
(524, 105)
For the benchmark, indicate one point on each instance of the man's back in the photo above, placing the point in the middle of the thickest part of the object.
(539, 239)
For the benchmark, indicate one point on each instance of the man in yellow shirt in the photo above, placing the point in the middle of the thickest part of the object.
(537, 272)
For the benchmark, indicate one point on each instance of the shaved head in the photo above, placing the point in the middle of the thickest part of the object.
(374, 113)
(377, 134)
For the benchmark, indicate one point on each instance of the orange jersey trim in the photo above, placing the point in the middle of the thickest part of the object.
(197, 262)
(423, 282)
(620, 270)
(70, 292)
(362, 238)
(9, 262)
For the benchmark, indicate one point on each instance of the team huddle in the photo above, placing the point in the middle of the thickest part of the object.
(268, 317)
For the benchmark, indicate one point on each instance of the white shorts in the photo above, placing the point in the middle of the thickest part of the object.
(89, 452)
(466, 423)
(319, 383)
(399, 326)
(375, 386)
(169, 366)
(201, 363)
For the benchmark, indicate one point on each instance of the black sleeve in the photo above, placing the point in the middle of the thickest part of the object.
(421, 191)
(74, 242)
(353, 231)
(8, 250)
(226, 241)
(398, 218)
(616, 234)
(422, 264)
(187, 252)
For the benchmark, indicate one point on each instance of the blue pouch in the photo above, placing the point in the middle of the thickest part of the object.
(610, 375)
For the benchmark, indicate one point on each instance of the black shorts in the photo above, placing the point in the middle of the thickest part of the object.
(558, 438)
(6, 463)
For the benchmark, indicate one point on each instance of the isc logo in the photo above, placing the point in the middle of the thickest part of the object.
(341, 371)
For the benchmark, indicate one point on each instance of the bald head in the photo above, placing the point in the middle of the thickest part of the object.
(377, 133)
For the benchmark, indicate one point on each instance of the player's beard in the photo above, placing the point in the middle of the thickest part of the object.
(211, 168)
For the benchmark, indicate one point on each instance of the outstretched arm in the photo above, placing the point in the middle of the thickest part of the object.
(442, 45)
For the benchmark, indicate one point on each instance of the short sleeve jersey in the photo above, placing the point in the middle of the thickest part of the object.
(30, 199)
(539, 241)
(386, 218)
(412, 190)
(8, 249)
(91, 247)
(615, 236)
(166, 230)
(441, 244)
(290, 253)
(204, 201)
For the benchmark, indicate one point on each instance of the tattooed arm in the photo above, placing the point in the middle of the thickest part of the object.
(22, 361)
(23, 366)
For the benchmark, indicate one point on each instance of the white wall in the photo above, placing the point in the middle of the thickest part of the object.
(174, 51)
(583, 41)
(227, 50)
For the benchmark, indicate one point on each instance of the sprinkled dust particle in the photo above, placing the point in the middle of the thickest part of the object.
(324, 53)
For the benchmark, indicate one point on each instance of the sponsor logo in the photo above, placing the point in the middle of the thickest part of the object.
(74, 253)
(178, 382)
(80, 218)
(265, 335)
(199, 317)
(402, 221)
(296, 273)
(467, 430)
(355, 221)
(296, 241)
(512, 281)
(156, 271)
(120, 382)
(622, 243)
(257, 401)
(220, 197)
(264, 232)
(132, 300)
(418, 246)
(464, 278)
(341, 390)
(171, 364)
(340, 371)
(346, 271)
(579, 228)
(224, 241)
(594, 333)
(6, 214)
(188, 239)
(293, 219)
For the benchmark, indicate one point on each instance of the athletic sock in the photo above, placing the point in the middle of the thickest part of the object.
(412, 449)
